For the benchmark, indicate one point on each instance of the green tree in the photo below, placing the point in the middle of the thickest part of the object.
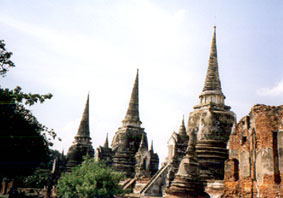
(24, 142)
(42, 175)
(91, 179)
(5, 61)
(38, 179)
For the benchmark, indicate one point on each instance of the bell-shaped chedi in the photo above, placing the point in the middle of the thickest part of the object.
(177, 146)
(213, 120)
(127, 139)
(82, 145)
(187, 183)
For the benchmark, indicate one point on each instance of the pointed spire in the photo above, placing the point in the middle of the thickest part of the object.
(143, 144)
(212, 81)
(151, 147)
(212, 92)
(182, 129)
(106, 144)
(84, 125)
(132, 117)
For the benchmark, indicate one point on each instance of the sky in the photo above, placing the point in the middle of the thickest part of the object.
(69, 48)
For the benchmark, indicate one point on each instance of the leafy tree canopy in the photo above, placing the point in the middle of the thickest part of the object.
(5, 62)
(24, 142)
(91, 179)
(38, 179)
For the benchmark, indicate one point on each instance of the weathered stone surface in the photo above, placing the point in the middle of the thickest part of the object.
(140, 184)
(82, 145)
(210, 124)
(126, 141)
(124, 154)
(146, 161)
(187, 182)
(156, 185)
(125, 146)
(214, 127)
(255, 146)
(213, 121)
(104, 153)
(177, 146)
(214, 188)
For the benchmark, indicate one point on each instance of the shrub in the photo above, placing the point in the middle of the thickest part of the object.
(91, 179)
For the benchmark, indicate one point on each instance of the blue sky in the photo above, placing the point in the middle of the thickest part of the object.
(70, 47)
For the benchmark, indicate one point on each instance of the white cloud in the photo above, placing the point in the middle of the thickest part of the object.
(273, 91)
(103, 59)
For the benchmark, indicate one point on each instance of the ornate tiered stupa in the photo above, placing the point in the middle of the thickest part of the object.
(177, 146)
(213, 121)
(126, 141)
(202, 163)
(187, 182)
(128, 146)
(82, 145)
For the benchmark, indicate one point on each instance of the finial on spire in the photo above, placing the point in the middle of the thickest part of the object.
(143, 144)
(151, 146)
(132, 117)
(84, 125)
(106, 144)
(212, 81)
(182, 129)
(212, 91)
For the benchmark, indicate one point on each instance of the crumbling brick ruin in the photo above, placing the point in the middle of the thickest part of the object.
(255, 165)
(211, 156)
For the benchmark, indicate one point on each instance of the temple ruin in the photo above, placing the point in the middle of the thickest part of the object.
(82, 145)
(255, 165)
(211, 156)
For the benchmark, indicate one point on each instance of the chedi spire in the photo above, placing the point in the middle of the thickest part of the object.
(212, 92)
(83, 130)
(187, 183)
(182, 129)
(212, 81)
(151, 147)
(143, 144)
(132, 117)
(106, 144)
(82, 144)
